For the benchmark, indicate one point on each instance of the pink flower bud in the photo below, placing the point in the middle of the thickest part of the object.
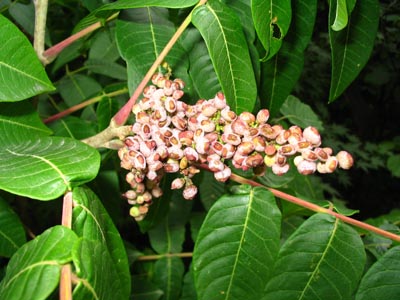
(309, 155)
(231, 138)
(247, 117)
(282, 137)
(208, 109)
(259, 144)
(245, 148)
(156, 192)
(287, 150)
(312, 135)
(220, 101)
(262, 116)
(331, 164)
(239, 126)
(223, 175)
(178, 183)
(130, 194)
(306, 167)
(149, 90)
(280, 169)
(177, 94)
(345, 160)
(179, 123)
(227, 114)
(189, 192)
(254, 160)
(172, 166)
(207, 125)
(170, 104)
(216, 165)
(191, 154)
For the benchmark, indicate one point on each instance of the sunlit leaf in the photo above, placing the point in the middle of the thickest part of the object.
(228, 50)
(44, 168)
(382, 281)
(323, 259)
(21, 73)
(12, 233)
(37, 264)
(352, 46)
(234, 253)
(100, 257)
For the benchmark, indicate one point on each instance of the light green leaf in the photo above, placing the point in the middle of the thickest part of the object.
(34, 270)
(21, 73)
(237, 246)
(300, 114)
(72, 127)
(100, 258)
(18, 122)
(168, 275)
(142, 41)
(282, 72)
(271, 21)
(382, 281)
(341, 16)
(323, 259)
(220, 29)
(12, 233)
(76, 87)
(352, 46)
(46, 167)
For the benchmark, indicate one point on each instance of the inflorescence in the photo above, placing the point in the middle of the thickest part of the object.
(170, 136)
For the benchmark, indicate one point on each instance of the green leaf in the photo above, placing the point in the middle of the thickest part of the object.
(271, 21)
(76, 87)
(18, 122)
(210, 189)
(153, 34)
(37, 264)
(144, 290)
(352, 46)
(226, 44)
(106, 68)
(237, 246)
(393, 164)
(103, 45)
(168, 275)
(44, 168)
(341, 16)
(100, 258)
(300, 114)
(21, 73)
(12, 233)
(382, 281)
(169, 235)
(323, 259)
(188, 288)
(73, 127)
(106, 109)
(282, 72)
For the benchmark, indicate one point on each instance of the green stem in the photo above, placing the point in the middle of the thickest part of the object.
(40, 29)
(318, 209)
(84, 104)
(159, 256)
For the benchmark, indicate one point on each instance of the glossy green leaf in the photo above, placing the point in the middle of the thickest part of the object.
(218, 25)
(12, 232)
(106, 109)
(323, 259)
(168, 275)
(73, 127)
(237, 246)
(300, 114)
(100, 258)
(106, 68)
(271, 21)
(75, 88)
(34, 270)
(46, 167)
(103, 45)
(21, 73)
(18, 122)
(352, 46)
(140, 43)
(341, 16)
(382, 281)
(281, 73)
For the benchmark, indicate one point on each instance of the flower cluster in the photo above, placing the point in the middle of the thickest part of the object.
(170, 136)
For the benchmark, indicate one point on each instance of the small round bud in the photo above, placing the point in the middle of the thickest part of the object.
(189, 192)
(345, 160)
(312, 135)
(306, 167)
(262, 116)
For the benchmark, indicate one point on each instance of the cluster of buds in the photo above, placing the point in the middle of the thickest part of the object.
(170, 136)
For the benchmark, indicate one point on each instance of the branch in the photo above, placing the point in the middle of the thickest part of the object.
(40, 29)
(318, 209)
